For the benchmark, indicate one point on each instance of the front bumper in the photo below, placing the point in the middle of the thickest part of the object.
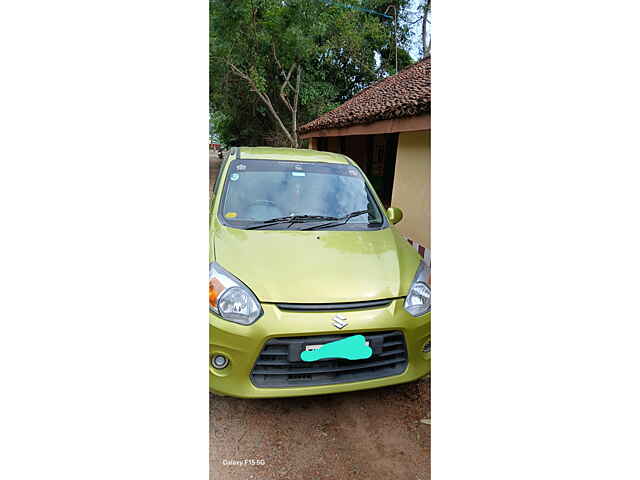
(242, 344)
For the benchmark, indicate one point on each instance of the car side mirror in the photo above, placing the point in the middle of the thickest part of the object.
(394, 215)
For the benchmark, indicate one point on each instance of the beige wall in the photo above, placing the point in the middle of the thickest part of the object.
(412, 185)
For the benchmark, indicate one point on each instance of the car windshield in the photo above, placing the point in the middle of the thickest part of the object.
(261, 190)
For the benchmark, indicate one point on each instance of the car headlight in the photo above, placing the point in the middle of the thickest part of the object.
(231, 299)
(418, 301)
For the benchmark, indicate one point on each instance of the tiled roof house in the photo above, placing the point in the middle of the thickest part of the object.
(404, 95)
(386, 129)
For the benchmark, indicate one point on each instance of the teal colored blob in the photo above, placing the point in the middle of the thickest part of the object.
(350, 348)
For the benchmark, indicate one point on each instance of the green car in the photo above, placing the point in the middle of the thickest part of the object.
(312, 290)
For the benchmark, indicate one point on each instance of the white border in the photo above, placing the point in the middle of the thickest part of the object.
(103, 330)
(537, 247)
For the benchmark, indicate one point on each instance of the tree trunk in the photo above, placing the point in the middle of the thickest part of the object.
(265, 99)
(267, 102)
(294, 112)
(426, 48)
(293, 135)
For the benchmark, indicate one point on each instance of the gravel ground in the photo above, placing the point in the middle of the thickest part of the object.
(373, 434)
(378, 434)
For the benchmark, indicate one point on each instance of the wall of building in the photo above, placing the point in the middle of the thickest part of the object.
(412, 185)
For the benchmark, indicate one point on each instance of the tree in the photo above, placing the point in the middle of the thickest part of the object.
(426, 32)
(275, 64)
(263, 95)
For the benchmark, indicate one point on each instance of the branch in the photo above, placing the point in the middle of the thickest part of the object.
(265, 99)
(282, 70)
(276, 57)
(286, 82)
(240, 73)
(295, 107)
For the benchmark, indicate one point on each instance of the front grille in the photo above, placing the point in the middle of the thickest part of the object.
(278, 364)
(320, 307)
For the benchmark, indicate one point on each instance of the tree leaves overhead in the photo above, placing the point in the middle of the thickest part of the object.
(335, 48)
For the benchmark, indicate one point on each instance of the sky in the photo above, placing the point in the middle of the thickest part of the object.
(415, 50)
(416, 46)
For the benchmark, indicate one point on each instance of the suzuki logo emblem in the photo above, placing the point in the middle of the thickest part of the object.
(339, 322)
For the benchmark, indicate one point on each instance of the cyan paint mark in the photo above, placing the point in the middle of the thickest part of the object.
(350, 348)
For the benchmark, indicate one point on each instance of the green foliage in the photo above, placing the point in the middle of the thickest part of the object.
(335, 47)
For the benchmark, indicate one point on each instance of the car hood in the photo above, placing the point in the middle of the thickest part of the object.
(318, 266)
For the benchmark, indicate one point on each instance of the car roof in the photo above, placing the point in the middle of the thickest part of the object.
(292, 154)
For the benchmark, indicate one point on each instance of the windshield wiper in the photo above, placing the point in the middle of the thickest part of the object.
(342, 220)
(291, 219)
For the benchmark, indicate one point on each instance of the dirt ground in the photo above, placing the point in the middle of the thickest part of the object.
(378, 434)
(373, 434)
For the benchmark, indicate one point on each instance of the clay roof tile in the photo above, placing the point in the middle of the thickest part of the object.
(405, 94)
